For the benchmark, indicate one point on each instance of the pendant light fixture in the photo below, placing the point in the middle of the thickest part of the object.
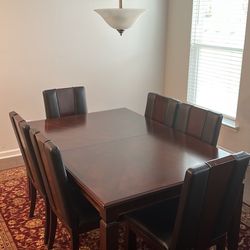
(120, 18)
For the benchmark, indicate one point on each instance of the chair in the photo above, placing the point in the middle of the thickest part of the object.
(200, 123)
(210, 199)
(64, 102)
(66, 202)
(161, 109)
(35, 182)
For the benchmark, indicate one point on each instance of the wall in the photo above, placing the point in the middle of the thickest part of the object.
(59, 43)
(177, 53)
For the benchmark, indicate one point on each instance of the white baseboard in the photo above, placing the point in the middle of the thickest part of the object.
(225, 149)
(10, 153)
(10, 158)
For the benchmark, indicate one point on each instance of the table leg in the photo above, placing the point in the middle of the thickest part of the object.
(108, 235)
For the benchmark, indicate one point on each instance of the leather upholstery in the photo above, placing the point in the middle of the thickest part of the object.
(35, 182)
(22, 133)
(65, 200)
(182, 117)
(64, 102)
(208, 201)
(161, 109)
(200, 123)
(24, 129)
(15, 119)
(150, 105)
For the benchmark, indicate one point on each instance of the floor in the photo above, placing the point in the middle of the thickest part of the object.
(247, 187)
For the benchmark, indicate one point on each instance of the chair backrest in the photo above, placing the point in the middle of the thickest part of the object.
(15, 119)
(64, 102)
(54, 176)
(200, 123)
(161, 109)
(21, 129)
(22, 133)
(209, 198)
(24, 130)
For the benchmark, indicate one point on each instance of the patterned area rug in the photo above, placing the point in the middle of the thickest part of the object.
(17, 231)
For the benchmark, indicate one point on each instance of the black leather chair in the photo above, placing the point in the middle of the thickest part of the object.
(64, 102)
(209, 204)
(66, 201)
(161, 109)
(200, 123)
(35, 182)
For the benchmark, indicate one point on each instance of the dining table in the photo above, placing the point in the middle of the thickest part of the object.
(121, 161)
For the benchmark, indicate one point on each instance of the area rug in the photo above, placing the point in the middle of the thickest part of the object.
(17, 231)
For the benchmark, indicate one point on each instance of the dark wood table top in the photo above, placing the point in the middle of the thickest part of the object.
(117, 155)
(93, 128)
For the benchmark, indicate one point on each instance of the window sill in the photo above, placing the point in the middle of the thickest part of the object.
(230, 123)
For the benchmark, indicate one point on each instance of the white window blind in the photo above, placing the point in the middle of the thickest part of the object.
(217, 42)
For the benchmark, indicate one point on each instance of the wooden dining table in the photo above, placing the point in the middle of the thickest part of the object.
(123, 162)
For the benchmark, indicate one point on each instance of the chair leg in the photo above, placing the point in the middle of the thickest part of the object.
(32, 196)
(130, 239)
(29, 187)
(52, 229)
(74, 240)
(47, 222)
(221, 245)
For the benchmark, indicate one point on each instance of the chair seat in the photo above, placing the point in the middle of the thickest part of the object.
(156, 221)
(88, 216)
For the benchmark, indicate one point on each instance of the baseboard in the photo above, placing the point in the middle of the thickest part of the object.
(225, 149)
(10, 159)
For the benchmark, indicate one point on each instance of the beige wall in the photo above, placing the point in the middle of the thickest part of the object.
(59, 43)
(177, 56)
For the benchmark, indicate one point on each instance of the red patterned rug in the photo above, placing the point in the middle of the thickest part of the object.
(17, 231)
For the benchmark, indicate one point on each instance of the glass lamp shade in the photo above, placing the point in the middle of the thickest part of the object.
(120, 19)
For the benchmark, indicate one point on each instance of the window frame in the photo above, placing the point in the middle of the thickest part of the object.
(194, 51)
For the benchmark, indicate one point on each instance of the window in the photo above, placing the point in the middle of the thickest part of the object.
(217, 42)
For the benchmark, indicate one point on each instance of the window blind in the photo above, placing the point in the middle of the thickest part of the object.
(217, 42)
